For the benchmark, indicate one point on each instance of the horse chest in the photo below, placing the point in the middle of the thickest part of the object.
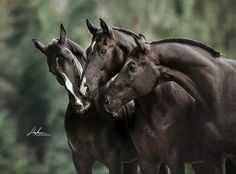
(154, 125)
(211, 135)
(93, 143)
(84, 142)
(150, 144)
(213, 130)
(152, 136)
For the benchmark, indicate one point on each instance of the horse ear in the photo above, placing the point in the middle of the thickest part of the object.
(39, 45)
(140, 44)
(142, 37)
(92, 29)
(104, 26)
(63, 37)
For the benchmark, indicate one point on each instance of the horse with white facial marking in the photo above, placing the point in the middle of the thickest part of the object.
(207, 76)
(162, 127)
(93, 135)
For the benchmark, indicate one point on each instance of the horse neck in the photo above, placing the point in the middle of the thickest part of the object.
(163, 94)
(79, 54)
(195, 72)
(157, 103)
(125, 42)
(78, 51)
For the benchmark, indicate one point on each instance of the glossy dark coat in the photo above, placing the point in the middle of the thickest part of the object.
(93, 135)
(199, 69)
(162, 127)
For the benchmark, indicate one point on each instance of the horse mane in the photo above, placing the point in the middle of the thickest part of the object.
(76, 49)
(125, 31)
(212, 51)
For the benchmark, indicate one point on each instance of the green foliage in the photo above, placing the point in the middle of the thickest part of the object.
(11, 151)
(30, 96)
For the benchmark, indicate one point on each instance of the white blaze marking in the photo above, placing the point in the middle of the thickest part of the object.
(57, 61)
(80, 68)
(93, 45)
(82, 87)
(69, 86)
(113, 78)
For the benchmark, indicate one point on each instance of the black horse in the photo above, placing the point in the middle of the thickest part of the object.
(207, 76)
(162, 131)
(93, 134)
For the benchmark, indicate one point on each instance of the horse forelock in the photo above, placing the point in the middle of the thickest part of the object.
(54, 40)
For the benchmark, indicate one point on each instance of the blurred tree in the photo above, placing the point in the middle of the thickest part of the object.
(31, 104)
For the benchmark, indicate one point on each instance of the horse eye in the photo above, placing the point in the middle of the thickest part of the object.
(103, 51)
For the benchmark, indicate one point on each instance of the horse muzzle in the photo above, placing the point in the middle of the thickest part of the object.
(80, 109)
(112, 106)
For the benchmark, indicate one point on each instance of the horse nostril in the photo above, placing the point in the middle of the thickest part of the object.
(106, 102)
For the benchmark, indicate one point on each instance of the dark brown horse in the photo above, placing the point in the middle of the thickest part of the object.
(93, 135)
(60, 60)
(156, 139)
(207, 76)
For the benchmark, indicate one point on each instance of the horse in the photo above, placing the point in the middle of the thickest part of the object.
(107, 54)
(201, 71)
(93, 135)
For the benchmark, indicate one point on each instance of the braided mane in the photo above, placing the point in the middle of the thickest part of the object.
(125, 31)
(212, 51)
